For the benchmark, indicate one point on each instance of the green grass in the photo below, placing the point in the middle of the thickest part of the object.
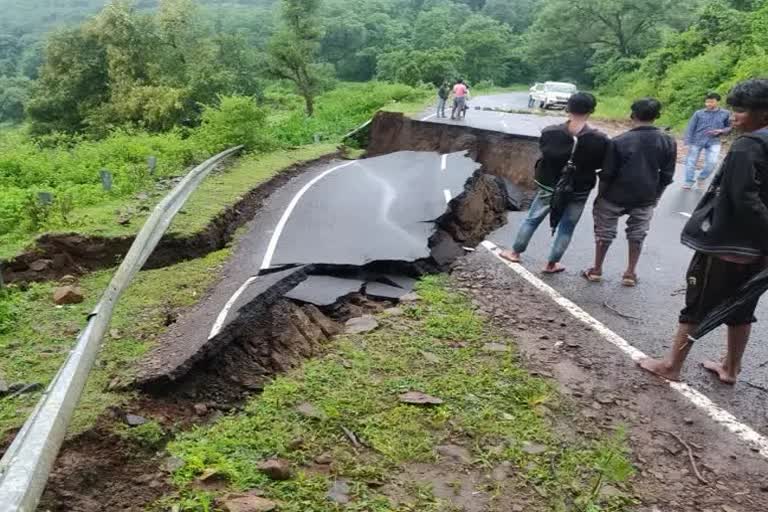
(492, 406)
(37, 335)
(214, 195)
(612, 108)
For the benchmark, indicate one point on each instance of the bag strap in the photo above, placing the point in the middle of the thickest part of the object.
(573, 151)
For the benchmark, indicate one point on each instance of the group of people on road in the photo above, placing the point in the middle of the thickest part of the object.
(728, 230)
(460, 93)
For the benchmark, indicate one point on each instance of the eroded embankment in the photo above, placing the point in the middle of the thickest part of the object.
(57, 255)
(501, 154)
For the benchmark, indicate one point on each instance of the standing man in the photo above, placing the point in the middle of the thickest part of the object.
(729, 232)
(703, 134)
(639, 166)
(460, 92)
(442, 99)
(556, 144)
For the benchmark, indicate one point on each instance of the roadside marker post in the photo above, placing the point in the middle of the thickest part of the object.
(106, 180)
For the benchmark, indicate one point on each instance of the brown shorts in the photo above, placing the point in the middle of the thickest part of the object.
(711, 281)
(606, 215)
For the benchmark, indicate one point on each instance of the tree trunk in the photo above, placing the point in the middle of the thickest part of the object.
(309, 102)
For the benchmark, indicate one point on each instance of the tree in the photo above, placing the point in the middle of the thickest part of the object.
(486, 43)
(13, 96)
(517, 14)
(567, 34)
(294, 48)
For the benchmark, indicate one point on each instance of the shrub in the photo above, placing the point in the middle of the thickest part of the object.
(235, 120)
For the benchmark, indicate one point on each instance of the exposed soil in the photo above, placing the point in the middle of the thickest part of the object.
(56, 255)
(610, 393)
(505, 155)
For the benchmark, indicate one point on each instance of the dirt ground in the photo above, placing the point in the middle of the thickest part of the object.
(611, 392)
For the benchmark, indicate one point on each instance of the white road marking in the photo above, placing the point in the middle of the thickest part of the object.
(719, 415)
(219, 323)
(269, 254)
(444, 163)
(447, 194)
(430, 116)
(688, 215)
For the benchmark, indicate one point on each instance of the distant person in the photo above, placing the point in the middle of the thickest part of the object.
(640, 164)
(556, 144)
(442, 98)
(703, 134)
(729, 232)
(460, 91)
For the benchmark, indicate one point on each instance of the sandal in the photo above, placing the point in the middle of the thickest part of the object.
(629, 280)
(556, 270)
(510, 256)
(590, 275)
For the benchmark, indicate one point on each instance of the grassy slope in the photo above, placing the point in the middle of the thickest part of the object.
(217, 192)
(492, 406)
(41, 334)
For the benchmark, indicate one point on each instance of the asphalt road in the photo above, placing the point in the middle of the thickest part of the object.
(659, 296)
(518, 123)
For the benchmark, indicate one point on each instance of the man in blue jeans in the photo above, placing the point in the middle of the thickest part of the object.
(703, 134)
(556, 144)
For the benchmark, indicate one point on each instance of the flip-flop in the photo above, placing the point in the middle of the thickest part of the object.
(589, 276)
(510, 259)
(629, 281)
(557, 270)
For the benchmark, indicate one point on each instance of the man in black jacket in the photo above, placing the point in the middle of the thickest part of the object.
(556, 144)
(640, 164)
(729, 232)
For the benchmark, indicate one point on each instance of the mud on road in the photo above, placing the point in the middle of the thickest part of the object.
(611, 393)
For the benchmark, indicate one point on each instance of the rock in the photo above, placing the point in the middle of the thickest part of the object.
(68, 295)
(40, 265)
(429, 356)
(502, 471)
(455, 453)
(142, 196)
(20, 388)
(248, 503)
(172, 464)
(308, 410)
(361, 325)
(495, 347)
(4, 387)
(410, 297)
(419, 398)
(533, 448)
(324, 459)
(68, 279)
(276, 469)
(518, 508)
(604, 399)
(133, 420)
(609, 491)
(201, 409)
(727, 508)
(339, 492)
(211, 480)
(124, 219)
(393, 311)
(114, 333)
(688, 421)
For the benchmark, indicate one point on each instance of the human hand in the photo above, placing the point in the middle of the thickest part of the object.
(713, 133)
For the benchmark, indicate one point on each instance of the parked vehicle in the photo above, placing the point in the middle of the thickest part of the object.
(551, 94)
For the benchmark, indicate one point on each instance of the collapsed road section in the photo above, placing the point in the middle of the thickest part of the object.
(361, 234)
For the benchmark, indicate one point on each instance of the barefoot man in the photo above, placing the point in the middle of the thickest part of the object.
(556, 144)
(729, 232)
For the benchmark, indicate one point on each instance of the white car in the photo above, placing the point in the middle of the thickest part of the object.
(550, 94)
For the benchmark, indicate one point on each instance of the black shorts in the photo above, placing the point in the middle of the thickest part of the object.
(711, 281)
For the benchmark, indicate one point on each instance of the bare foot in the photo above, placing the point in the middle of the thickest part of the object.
(718, 368)
(660, 368)
(553, 268)
(510, 256)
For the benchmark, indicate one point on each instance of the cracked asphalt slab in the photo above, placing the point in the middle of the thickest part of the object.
(348, 213)
(375, 209)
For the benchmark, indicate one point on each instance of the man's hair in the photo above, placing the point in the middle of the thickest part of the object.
(646, 110)
(581, 103)
(713, 96)
(750, 94)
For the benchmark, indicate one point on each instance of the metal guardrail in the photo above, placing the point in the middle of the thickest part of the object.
(25, 467)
